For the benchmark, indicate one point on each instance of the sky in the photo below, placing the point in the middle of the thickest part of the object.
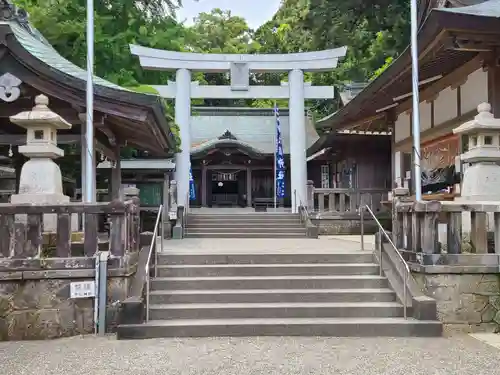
(256, 12)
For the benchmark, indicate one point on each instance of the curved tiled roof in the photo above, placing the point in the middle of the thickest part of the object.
(254, 128)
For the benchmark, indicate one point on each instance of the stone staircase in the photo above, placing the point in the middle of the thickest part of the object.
(245, 225)
(334, 294)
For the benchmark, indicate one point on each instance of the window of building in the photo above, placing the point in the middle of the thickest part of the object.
(325, 176)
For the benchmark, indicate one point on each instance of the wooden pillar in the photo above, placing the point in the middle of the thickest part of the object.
(203, 185)
(391, 125)
(494, 82)
(249, 186)
(116, 175)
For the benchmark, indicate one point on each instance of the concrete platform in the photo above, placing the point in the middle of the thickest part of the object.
(322, 245)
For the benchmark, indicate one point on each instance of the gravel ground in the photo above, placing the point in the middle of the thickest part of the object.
(460, 354)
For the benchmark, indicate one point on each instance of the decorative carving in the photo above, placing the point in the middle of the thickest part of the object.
(9, 12)
(228, 135)
(9, 87)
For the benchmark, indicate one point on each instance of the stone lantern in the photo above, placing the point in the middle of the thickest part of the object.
(41, 181)
(481, 179)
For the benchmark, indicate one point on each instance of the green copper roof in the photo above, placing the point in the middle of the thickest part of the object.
(489, 8)
(253, 131)
(37, 46)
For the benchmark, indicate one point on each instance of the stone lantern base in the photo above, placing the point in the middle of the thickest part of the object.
(481, 182)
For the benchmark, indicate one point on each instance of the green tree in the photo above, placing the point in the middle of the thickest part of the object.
(218, 31)
(117, 24)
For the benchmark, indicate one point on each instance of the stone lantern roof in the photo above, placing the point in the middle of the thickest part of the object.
(484, 136)
(41, 125)
(40, 115)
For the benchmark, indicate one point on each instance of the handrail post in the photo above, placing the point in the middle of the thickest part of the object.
(404, 295)
(362, 227)
(380, 244)
(406, 277)
(153, 245)
(147, 294)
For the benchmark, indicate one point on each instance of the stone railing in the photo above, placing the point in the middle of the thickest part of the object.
(22, 232)
(453, 251)
(433, 230)
(37, 267)
(341, 201)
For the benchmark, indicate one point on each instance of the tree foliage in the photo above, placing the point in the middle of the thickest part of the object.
(375, 32)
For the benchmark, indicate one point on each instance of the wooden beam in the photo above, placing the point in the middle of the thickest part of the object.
(362, 122)
(106, 130)
(443, 83)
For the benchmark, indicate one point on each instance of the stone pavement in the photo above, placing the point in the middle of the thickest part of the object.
(459, 354)
(324, 244)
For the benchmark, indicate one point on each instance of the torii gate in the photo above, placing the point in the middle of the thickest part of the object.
(240, 66)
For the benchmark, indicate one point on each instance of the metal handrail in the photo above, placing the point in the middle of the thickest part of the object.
(301, 204)
(151, 247)
(382, 230)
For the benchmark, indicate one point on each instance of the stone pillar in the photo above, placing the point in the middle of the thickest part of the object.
(173, 199)
(298, 164)
(203, 187)
(41, 181)
(310, 195)
(166, 205)
(249, 187)
(183, 119)
(397, 233)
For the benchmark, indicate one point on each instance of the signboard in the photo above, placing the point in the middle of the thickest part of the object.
(151, 195)
(82, 289)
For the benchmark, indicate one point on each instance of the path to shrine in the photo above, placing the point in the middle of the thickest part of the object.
(455, 353)
(458, 354)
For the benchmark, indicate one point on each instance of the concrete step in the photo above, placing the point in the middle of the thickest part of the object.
(265, 258)
(247, 230)
(244, 216)
(241, 234)
(269, 282)
(245, 225)
(272, 295)
(241, 220)
(336, 327)
(276, 310)
(267, 269)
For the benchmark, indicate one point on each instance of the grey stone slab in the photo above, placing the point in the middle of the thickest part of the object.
(267, 270)
(276, 310)
(272, 295)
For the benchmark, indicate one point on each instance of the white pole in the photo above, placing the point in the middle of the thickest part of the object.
(89, 134)
(275, 151)
(416, 101)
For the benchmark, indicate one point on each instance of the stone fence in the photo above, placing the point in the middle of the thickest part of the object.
(37, 267)
(453, 249)
(336, 210)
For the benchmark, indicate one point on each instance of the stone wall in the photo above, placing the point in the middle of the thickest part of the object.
(36, 304)
(470, 299)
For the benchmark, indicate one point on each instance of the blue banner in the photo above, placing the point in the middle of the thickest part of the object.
(280, 158)
(192, 190)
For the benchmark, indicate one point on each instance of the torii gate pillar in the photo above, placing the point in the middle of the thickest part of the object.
(183, 119)
(240, 66)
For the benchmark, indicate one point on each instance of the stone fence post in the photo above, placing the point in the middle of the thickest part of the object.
(310, 195)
